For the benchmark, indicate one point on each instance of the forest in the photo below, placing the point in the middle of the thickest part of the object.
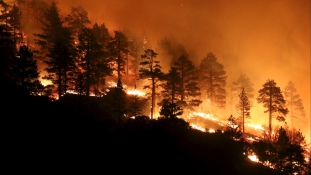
(105, 102)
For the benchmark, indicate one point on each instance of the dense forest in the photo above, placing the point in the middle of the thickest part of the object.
(106, 103)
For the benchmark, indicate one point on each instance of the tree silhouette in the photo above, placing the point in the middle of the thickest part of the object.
(243, 82)
(94, 62)
(308, 166)
(7, 44)
(243, 108)
(118, 51)
(14, 21)
(271, 97)
(26, 71)
(233, 128)
(77, 19)
(170, 110)
(189, 90)
(136, 45)
(236, 87)
(134, 105)
(56, 43)
(214, 80)
(293, 102)
(151, 70)
(282, 145)
(116, 98)
(103, 66)
(289, 154)
(171, 85)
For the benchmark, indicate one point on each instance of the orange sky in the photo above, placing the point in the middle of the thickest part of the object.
(264, 39)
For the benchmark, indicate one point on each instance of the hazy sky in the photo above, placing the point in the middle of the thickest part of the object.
(262, 38)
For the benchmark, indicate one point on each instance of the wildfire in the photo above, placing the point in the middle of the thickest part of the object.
(129, 92)
(194, 126)
(253, 158)
(203, 115)
(197, 127)
(136, 92)
(45, 82)
(211, 131)
(256, 126)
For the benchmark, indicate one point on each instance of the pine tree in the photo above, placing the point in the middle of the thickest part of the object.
(189, 90)
(244, 82)
(236, 87)
(14, 21)
(118, 51)
(243, 108)
(57, 45)
(293, 102)
(213, 80)
(116, 103)
(26, 71)
(7, 44)
(134, 105)
(77, 19)
(93, 59)
(170, 110)
(272, 98)
(151, 71)
(171, 85)
(136, 46)
(103, 67)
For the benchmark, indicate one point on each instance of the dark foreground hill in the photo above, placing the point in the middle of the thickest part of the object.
(40, 136)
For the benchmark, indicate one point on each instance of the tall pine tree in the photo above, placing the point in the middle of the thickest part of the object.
(189, 90)
(118, 51)
(57, 44)
(293, 102)
(243, 108)
(26, 71)
(213, 80)
(151, 71)
(171, 85)
(272, 99)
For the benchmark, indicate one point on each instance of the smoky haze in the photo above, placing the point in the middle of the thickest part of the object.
(264, 39)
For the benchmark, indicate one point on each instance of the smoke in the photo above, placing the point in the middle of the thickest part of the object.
(263, 39)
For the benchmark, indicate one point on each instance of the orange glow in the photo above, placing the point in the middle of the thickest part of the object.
(136, 92)
(253, 158)
(203, 115)
(45, 82)
(197, 127)
(256, 126)
(281, 30)
(211, 131)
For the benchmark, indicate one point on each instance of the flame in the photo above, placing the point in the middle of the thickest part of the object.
(253, 158)
(211, 131)
(203, 115)
(45, 82)
(256, 126)
(198, 127)
(136, 92)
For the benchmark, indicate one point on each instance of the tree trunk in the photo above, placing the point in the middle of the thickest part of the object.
(182, 84)
(152, 97)
(270, 111)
